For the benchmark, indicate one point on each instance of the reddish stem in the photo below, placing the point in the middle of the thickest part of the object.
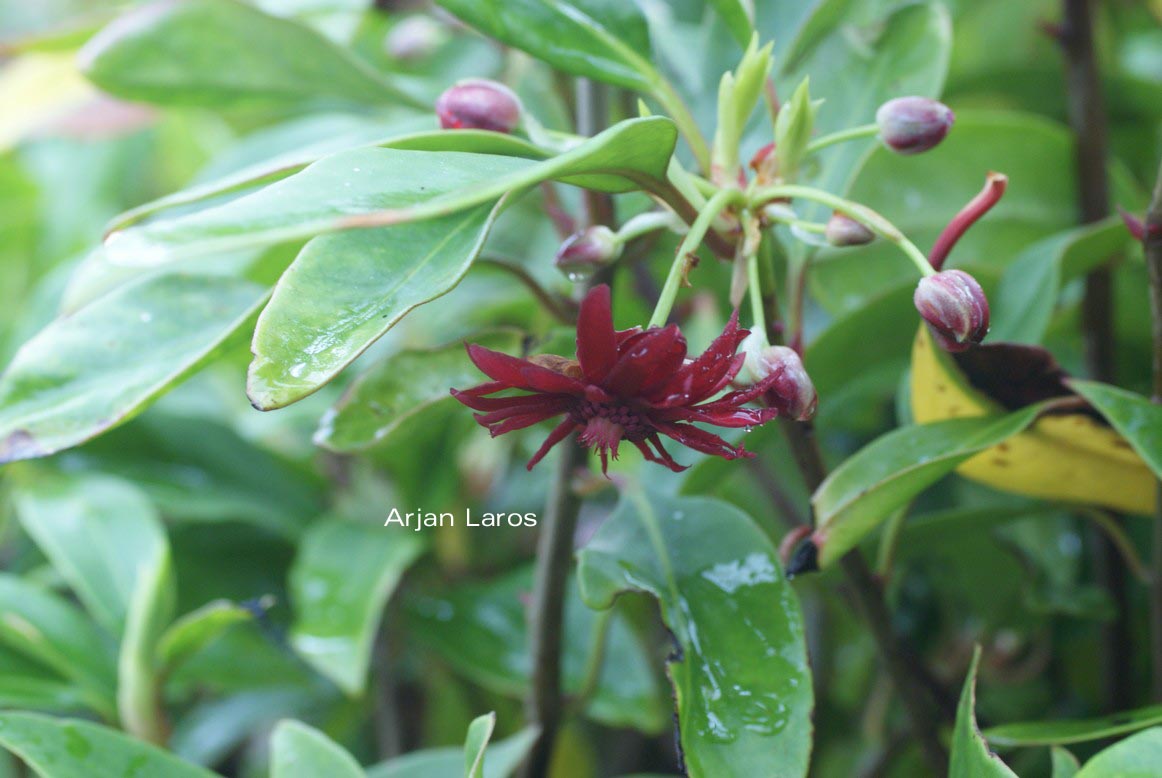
(994, 188)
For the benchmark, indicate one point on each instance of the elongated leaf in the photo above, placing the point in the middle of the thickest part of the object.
(299, 751)
(741, 682)
(1138, 756)
(894, 468)
(343, 575)
(400, 387)
(738, 15)
(373, 187)
(65, 748)
(1137, 419)
(45, 629)
(1029, 287)
(30, 685)
(482, 631)
(95, 369)
(192, 632)
(97, 532)
(138, 679)
(603, 39)
(218, 52)
(479, 733)
(1047, 733)
(971, 757)
(344, 291)
(504, 757)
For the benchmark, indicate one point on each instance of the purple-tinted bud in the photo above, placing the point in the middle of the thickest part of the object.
(791, 391)
(584, 252)
(846, 231)
(910, 125)
(479, 104)
(955, 308)
(414, 38)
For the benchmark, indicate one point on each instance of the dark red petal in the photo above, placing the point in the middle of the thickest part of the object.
(734, 399)
(517, 422)
(701, 440)
(548, 405)
(646, 361)
(663, 457)
(709, 369)
(725, 417)
(596, 340)
(624, 335)
(477, 403)
(559, 433)
(521, 374)
(540, 379)
(491, 387)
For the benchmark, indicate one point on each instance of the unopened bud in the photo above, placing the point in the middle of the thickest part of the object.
(414, 38)
(791, 390)
(584, 252)
(845, 231)
(479, 104)
(910, 125)
(955, 307)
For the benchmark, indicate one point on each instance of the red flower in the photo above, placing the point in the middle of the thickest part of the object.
(629, 385)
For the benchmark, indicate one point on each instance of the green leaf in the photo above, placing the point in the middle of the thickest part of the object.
(504, 757)
(192, 632)
(342, 577)
(299, 751)
(1134, 417)
(891, 470)
(65, 748)
(27, 684)
(1137, 756)
(344, 291)
(46, 629)
(603, 39)
(97, 532)
(400, 387)
(742, 684)
(479, 733)
(971, 757)
(738, 16)
(138, 672)
(223, 52)
(482, 631)
(1065, 764)
(374, 187)
(1030, 285)
(95, 369)
(1048, 733)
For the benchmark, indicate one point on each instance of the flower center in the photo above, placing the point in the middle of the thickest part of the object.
(608, 420)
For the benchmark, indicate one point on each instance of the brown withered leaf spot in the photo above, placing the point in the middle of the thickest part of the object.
(1016, 376)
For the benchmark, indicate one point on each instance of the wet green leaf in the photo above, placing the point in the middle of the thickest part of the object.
(400, 387)
(342, 577)
(222, 52)
(299, 751)
(1138, 756)
(741, 680)
(372, 187)
(1137, 419)
(891, 470)
(344, 291)
(66, 748)
(971, 757)
(95, 369)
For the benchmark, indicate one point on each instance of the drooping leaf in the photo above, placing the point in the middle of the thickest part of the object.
(741, 682)
(399, 387)
(482, 631)
(192, 632)
(1138, 756)
(98, 367)
(343, 575)
(375, 187)
(475, 744)
(1047, 733)
(344, 291)
(1137, 419)
(971, 757)
(66, 748)
(299, 751)
(504, 757)
(219, 52)
(891, 470)
(98, 532)
(602, 39)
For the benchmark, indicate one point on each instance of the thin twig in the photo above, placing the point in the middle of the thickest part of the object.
(1153, 246)
(559, 309)
(1088, 120)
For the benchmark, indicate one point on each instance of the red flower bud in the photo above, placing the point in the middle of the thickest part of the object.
(846, 231)
(790, 390)
(584, 252)
(479, 104)
(955, 308)
(910, 125)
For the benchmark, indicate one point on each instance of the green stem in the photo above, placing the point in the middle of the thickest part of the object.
(860, 213)
(720, 202)
(852, 133)
(755, 290)
(648, 222)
